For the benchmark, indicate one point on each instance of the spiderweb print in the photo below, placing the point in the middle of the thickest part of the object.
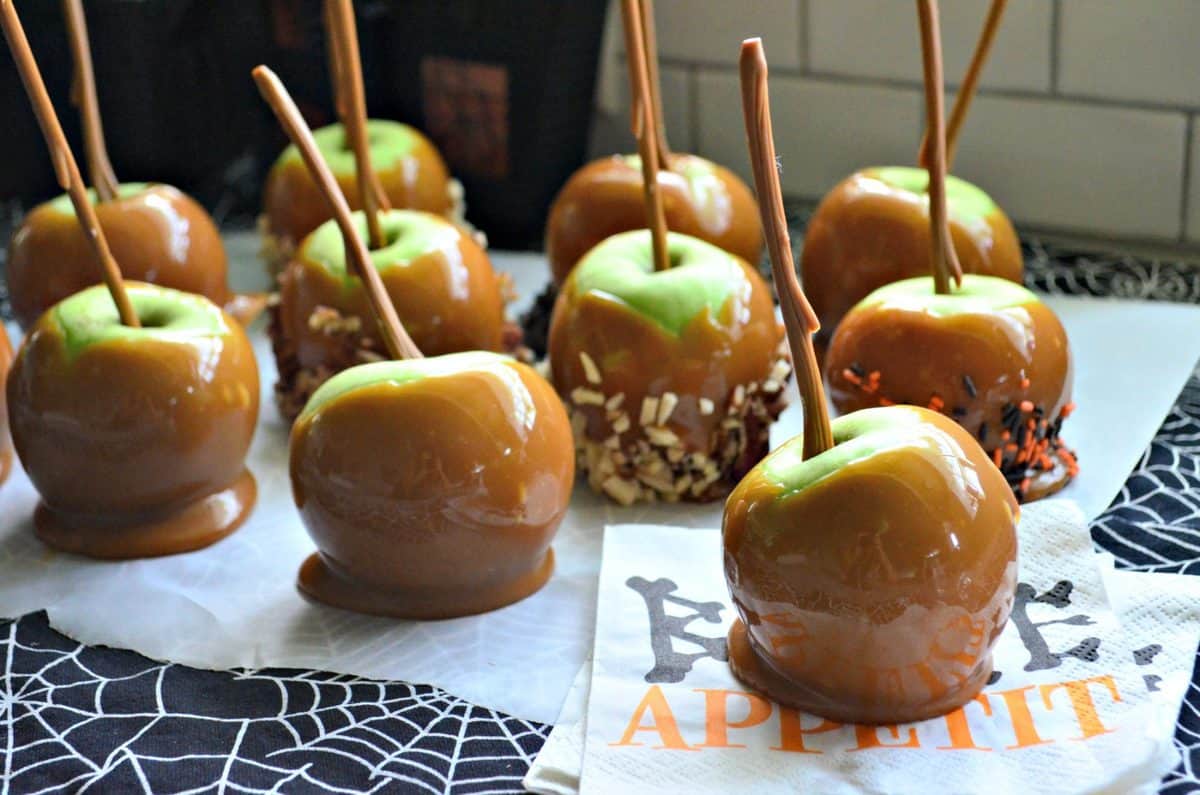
(78, 719)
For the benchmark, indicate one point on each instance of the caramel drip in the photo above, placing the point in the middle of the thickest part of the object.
(83, 94)
(65, 167)
(398, 343)
(942, 254)
(650, 54)
(645, 129)
(798, 316)
(352, 104)
(966, 90)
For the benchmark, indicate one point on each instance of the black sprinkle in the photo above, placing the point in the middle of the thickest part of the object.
(959, 411)
(970, 386)
(983, 431)
(858, 370)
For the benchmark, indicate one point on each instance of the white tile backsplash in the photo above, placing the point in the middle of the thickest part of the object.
(823, 130)
(1143, 51)
(1068, 165)
(1080, 125)
(880, 39)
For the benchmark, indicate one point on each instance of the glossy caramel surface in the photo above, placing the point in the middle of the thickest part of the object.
(157, 235)
(294, 206)
(637, 357)
(448, 298)
(433, 498)
(128, 433)
(1019, 353)
(605, 197)
(6, 452)
(874, 594)
(867, 233)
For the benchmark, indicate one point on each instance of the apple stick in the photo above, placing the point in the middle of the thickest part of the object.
(352, 107)
(966, 90)
(650, 53)
(398, 343)
(83, 94)
(334, 54)
(65, 167)
(944, 258)
(645, 129)
(798, 315)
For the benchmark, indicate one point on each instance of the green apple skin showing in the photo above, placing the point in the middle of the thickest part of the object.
(699, 330)
(116, 424)
(431, 487)
(156, 234)
(873, 579)
(872, 229)
(410, 169)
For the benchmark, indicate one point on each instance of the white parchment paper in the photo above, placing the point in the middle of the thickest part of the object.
(235, 604)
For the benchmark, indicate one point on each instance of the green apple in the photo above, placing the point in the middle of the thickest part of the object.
(135, 438)
(701, 277)
(964, 201)
(977, 295)
(388, 142)
(126, 190)
(409, 234)
(871, 580)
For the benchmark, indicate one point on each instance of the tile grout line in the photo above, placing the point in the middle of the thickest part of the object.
(1055, 48)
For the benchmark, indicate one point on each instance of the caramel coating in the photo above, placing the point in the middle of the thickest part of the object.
(448, 298)
(876, 593)
(605, 197)
(157, 235)
(136, 446)
(294, 206)
(436, 498)
(866, 233)
(6, 452)
(1006, 357)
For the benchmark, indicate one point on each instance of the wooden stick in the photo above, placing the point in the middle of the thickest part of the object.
(966, 90)
(398, 343)
(645, 129)
(798, 315)
(942, 254)
(355, 121)
(333, 51)
(650, 53)
(83, 94)
(65, 167)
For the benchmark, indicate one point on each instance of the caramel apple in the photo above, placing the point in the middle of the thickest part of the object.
(135, 438)
(410, 169)
(873, 227)
(157, 233)
(5, 440)
(978, 348)
(439, 279)
(700, 199)
(432, 486)
(604, 198)
(872, 561)
(672, 378)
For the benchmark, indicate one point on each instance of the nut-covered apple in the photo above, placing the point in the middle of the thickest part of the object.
(157, 233)
(873, 229)
(135, 438)
(439, 279)
(872, 580)
(672, 377)
(988, 354)
(409, 167)
(700, 199)
(432, 487)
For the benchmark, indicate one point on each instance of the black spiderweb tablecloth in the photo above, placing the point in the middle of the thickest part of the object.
(75, 718)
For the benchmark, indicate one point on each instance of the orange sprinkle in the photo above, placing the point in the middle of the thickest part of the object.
(1010, 447)
(936, 403)
(1066, 410)
(849, 375)
(1027, 406)
(997, 457)
(886, 402)
(1024, 383)
(1006, 436)
(873, 376)
(1025, 485)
